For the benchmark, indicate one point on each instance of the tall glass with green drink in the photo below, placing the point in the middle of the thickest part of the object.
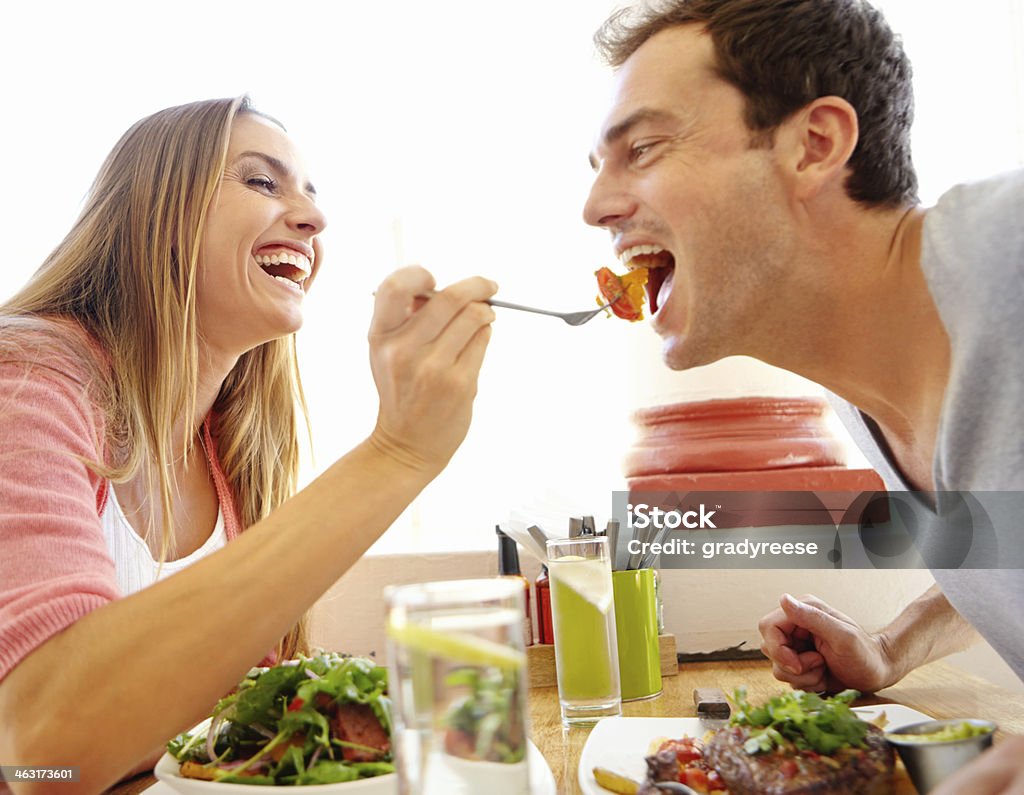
(583, 618)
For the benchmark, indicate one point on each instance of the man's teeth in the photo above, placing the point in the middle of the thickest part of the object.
(626, 257)
(300, 261)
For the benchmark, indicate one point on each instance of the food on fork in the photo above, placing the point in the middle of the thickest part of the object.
(625, 293)
(318, 720)
(648, 267)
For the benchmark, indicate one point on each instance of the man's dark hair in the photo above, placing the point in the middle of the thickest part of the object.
(783, 54)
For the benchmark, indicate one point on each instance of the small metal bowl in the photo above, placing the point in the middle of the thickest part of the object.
(928, 763)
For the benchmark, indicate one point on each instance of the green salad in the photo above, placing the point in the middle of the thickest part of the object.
(315, 720)
(487, 724)
(806, 720)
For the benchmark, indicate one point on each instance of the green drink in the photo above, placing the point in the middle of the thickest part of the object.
(583, 618)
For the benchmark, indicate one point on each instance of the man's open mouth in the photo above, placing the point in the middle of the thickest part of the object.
(660, 266)
(286, 265)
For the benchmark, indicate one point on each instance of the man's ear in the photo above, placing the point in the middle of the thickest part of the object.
(822, 136)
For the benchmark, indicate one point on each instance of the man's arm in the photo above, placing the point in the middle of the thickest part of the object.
(813, 646)
(928, 629)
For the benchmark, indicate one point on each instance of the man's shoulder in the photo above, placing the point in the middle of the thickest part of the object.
(979, 221)
(972, 254)
(995, 190)
(974, 261)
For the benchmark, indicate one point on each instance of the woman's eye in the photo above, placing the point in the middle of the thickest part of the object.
(263, 183)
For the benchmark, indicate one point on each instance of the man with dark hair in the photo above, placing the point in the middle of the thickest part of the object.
(761, 150)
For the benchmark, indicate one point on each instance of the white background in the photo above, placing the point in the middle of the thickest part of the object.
(453, 134)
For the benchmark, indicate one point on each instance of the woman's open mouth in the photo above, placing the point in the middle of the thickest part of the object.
(660, 266)
(286, 266)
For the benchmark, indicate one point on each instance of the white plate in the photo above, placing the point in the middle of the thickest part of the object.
(166, 771)
(171, 781)
(620, 744)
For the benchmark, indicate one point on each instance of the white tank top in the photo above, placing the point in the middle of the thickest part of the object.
(134, 563)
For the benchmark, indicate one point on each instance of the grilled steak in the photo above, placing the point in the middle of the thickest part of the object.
(788, 771)
(662, 766)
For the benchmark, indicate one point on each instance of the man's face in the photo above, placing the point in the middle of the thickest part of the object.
(675, 171)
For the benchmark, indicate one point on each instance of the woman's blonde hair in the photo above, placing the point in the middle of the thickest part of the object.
(127, 273)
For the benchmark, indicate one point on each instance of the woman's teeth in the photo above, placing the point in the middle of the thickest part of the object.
(300, 261)
(285, 280)
(286, 266)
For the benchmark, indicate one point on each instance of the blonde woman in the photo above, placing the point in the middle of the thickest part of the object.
(148, 411)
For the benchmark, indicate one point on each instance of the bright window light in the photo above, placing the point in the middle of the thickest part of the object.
(454, 135)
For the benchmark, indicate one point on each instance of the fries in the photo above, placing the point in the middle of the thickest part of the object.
(614, 782)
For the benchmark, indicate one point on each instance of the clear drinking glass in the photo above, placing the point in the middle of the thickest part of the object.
(458, 666)
(583, 618)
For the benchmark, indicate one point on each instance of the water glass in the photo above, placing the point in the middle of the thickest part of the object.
(457, 666)
(583, 618)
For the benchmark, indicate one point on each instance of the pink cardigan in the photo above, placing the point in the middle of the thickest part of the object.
(54, 564)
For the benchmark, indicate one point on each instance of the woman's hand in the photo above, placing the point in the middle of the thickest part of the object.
(426, 356)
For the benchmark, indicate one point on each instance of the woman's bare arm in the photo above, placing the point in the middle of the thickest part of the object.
(110, 689)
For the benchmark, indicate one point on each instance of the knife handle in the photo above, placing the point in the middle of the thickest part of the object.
(711, 702)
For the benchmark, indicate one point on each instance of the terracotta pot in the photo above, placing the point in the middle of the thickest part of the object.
(735, 435)
(754, 444)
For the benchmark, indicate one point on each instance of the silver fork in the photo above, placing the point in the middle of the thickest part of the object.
(572, 318)
(674, 786)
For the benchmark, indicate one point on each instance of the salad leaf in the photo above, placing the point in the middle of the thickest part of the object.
(182, 745)
(488, 717)
(257, 701)
(258, 781)
(356, 680)
(276, 728)
(805, 720)
(328, 772)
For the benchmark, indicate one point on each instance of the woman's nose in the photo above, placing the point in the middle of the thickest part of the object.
(307, 216)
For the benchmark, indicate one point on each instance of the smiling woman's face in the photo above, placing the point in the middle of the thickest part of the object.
(260, 242)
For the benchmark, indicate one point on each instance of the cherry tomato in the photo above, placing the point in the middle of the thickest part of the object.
(685, 749)
(694, 777)
(627, 299)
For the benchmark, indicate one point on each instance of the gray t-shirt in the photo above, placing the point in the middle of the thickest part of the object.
(973, 260)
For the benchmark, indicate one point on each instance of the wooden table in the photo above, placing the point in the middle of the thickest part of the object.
(938, 690)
